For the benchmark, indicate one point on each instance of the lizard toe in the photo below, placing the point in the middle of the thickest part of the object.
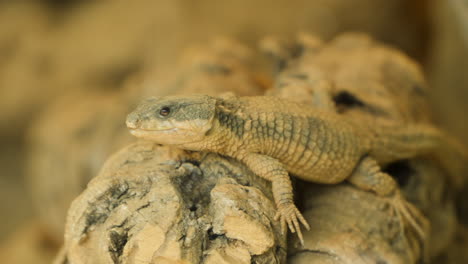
(291, 218)
(408, 213)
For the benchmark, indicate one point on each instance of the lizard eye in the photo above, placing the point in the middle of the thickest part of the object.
(165, 111)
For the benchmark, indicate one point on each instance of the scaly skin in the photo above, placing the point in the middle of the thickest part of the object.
(273, 136)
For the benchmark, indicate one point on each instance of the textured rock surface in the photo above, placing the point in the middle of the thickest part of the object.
(148, 205)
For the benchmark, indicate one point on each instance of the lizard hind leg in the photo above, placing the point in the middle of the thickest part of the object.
(368, 176)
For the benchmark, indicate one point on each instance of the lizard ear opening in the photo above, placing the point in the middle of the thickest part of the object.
(200, 112)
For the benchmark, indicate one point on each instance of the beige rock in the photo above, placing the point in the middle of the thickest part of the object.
(149, 205)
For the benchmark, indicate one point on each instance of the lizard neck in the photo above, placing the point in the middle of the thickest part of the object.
(225, 133)
(213, 142)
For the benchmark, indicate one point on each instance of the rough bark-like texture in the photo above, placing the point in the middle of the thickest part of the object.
(146, 206)
(352, 226)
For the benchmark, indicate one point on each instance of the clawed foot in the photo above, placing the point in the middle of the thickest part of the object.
(290, 215)
(406, 212)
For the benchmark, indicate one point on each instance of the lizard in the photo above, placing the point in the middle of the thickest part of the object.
(273, 137)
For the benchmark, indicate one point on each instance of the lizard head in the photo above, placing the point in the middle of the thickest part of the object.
(173, 120)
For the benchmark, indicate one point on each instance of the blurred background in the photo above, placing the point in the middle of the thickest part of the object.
(70, 69)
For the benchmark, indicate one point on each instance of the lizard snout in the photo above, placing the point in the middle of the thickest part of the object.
(132, 121)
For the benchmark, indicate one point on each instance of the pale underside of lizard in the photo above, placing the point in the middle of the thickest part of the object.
(273, 136)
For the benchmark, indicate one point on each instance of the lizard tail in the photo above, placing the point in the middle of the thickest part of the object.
(396, 143)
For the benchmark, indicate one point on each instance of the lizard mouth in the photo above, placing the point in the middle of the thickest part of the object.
(140, 131)
(172, 136)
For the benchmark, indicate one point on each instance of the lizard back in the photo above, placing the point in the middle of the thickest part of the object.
(312, 144)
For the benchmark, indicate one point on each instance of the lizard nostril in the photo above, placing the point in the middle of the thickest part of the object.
(132, 121)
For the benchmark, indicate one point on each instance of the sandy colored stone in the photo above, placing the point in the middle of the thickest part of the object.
(337, 230)
(351, 226)
(239, 225)
(147, 205)
(229, 254)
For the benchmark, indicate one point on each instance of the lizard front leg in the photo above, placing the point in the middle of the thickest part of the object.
(274, 171)
(369, 176)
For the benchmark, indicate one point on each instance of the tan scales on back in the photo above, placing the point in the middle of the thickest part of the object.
(311, 144)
